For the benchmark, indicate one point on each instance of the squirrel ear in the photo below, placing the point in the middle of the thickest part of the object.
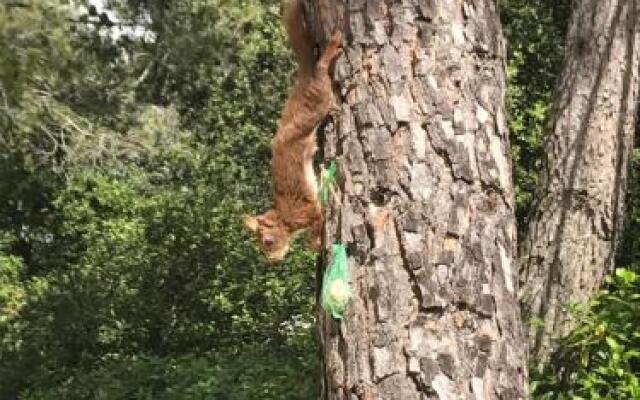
(251, 222)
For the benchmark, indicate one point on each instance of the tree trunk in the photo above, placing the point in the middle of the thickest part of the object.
(424, 204)
(571, 241)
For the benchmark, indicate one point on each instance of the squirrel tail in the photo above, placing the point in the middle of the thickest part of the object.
(300, 38)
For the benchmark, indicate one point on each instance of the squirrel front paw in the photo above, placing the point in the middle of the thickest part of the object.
(334, 110)
(315, 243)
(336, 38)
(332, 50)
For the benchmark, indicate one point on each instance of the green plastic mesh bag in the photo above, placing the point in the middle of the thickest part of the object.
(327, 180)
(335, 283)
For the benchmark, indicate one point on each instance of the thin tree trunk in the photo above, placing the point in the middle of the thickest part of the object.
(572, 237)
(424, 204)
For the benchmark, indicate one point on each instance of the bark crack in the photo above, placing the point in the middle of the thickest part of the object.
(405, 262)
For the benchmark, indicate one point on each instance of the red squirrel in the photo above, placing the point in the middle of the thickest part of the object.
(294, 188)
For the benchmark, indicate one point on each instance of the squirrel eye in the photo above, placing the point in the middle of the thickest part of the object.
(266, 222)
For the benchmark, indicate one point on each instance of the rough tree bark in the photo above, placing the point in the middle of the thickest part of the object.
(571, 241)
(424, 204)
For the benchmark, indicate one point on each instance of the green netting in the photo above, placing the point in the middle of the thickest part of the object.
(327, 180)
(335, 284)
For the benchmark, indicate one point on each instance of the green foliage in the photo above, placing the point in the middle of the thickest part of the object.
(629, 251)
(250, 375)
(600, 359)
(125, 168)
(226, 68)
(27, 53)
(535, 33)
(11, 290)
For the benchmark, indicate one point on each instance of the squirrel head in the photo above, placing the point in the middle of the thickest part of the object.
(273, 236)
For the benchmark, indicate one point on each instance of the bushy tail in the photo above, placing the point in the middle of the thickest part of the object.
(300, 38)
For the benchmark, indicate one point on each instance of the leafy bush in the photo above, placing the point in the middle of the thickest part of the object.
(600, 359)
(248, 375)
(126, 167)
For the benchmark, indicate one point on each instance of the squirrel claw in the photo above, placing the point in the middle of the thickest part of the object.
(336, 37)
(334, 48)
(315, 243)
(334, 110)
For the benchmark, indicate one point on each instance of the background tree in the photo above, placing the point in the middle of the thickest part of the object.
(577, 217)
(425, 205)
